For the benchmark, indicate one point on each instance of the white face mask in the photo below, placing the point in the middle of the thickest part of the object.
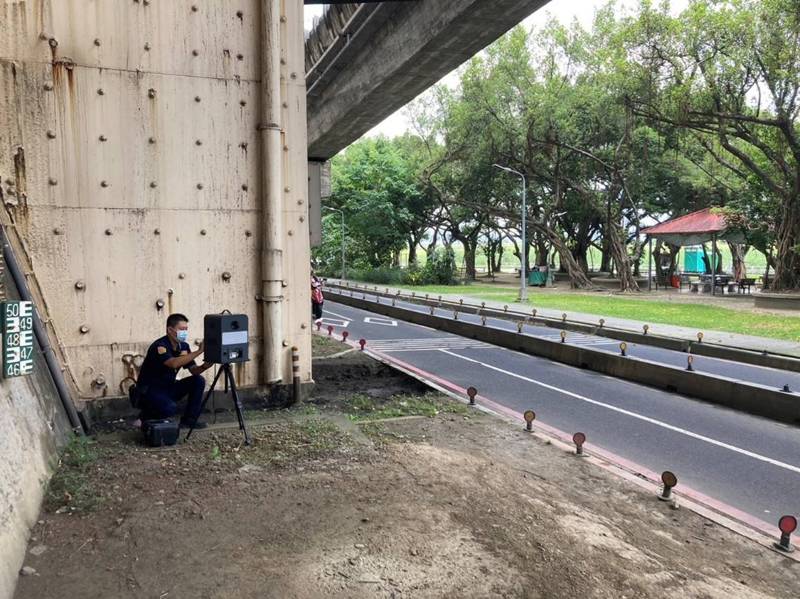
(183, 336)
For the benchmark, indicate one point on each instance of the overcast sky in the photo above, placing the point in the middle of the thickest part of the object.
(564, 10)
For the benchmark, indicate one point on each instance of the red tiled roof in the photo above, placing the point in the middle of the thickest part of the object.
(702, 221)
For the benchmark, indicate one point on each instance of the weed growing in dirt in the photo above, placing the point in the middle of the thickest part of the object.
(326, 346)
(276, 444)
(69, 487)
(363, 407)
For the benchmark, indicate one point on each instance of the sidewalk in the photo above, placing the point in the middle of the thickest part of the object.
(748, 342)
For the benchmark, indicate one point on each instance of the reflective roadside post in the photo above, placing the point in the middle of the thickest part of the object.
(787, 525)
(529, 417)
(669, 480)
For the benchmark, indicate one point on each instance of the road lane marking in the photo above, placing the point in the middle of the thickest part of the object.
(335, 322)
(385, 322)
(411, 324)
(326, 311)
(653, 421)
(435, 343)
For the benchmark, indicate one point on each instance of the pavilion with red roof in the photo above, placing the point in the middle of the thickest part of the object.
(694, 228)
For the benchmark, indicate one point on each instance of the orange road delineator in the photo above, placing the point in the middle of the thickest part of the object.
(471, 393)
(579, 439)
(623, 348)
(669, 480)
(787, 525)
(362, 343)
(529, 417)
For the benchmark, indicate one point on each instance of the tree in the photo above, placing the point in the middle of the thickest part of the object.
(727, 74)
(375, 183)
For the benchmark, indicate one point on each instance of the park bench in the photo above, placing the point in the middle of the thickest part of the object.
(746, 284)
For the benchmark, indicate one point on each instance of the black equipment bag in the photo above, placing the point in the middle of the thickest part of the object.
(158, 433)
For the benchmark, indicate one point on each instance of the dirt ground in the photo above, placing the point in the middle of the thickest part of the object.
(347, 496)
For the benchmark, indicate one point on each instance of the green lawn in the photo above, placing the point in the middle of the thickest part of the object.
(698, 316)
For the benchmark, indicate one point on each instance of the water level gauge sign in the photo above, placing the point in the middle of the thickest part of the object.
(17, 329)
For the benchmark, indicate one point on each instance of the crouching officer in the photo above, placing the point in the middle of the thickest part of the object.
(157, 387)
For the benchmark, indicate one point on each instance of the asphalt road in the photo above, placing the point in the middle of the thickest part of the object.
(770, 377)
(750, 463)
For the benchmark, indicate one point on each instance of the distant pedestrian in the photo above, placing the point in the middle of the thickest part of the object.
(317, 299)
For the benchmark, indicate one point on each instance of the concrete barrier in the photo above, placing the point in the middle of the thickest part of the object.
(777, 301)
(746, 397)
(712, 350)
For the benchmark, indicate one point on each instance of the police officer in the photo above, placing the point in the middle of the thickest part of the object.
(157, 386)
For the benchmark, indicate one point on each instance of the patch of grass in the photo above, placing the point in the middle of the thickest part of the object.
(362, 407)
(310, 439)
(702, 317)
(322, 346)
(70, 485)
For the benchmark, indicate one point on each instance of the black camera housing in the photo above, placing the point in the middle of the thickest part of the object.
(225, 338)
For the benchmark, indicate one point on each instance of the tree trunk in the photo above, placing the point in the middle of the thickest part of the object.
(577, 278)
(579, 253)
(638, 252)
(542, 251)
(412, 251)
(738, 252)
(497, 257)
(605, 256)
(619, 252)
(787, 257)
(469, 258)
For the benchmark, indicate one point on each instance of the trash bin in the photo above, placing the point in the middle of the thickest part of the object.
(539, 276)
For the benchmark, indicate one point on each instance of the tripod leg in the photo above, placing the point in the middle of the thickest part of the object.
(205, 401)
(237, 404)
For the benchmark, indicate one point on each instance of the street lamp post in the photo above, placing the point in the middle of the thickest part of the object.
(344, 272)
(523, 286)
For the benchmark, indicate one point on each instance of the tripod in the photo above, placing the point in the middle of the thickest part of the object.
(237, 404)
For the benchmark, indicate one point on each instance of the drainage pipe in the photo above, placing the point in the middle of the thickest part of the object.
(41, 336)
(272, 204)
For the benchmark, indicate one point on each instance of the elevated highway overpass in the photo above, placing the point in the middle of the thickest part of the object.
(364, 61)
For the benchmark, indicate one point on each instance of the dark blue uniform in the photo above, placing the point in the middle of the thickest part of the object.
(159, 388)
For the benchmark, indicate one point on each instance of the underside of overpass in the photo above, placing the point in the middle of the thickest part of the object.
(364, 61)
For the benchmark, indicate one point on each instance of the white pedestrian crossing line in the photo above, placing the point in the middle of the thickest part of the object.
(579, 339)
(435, 344)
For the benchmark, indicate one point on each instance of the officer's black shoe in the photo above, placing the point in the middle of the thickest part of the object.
(196, 424)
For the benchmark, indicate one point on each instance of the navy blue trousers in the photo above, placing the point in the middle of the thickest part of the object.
(160, 402)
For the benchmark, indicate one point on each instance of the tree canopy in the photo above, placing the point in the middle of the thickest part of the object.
(644, 116)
